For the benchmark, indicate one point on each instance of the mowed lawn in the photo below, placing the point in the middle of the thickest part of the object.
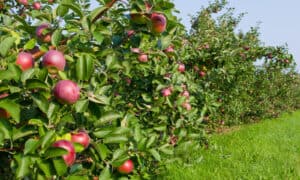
(266, 150)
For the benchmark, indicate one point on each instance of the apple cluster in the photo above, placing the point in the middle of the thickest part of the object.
(80, 137)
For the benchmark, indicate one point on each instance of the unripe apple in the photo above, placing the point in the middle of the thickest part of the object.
(202, 73)
(54, 61)
(143, 57)
(24, 2)
(67, 92)
(39, 33)
(181, 68)
(159, 23)
(37, 5)
(70, 157)
(81, 137)
(126, 167)
(25, 61)
(166, 92)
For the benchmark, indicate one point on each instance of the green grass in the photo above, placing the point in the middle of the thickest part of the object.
(266, 150)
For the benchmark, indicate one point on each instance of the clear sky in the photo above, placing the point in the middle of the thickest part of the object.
(279, 20)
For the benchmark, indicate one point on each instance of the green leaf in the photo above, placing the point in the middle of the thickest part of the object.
(6, 44)
(47, 139)
(76, 8)
(36, 122)
(102, 150)
(27, 74)
(52, 111)
(30, 44)
(36, 84)
(12, 72)
(46, 167)
(165, 42)
(12, 108)
(118, 153)
(102, 133)
(151, 141)
(77, 177)
(23, 167)
(55, 152)
(96, 12)
(60, 166)
(108, 117)
(100, 99)
(81, 105)
(78, 147)
(41, 102)
(84, 67)
(63, 10)
(31, 145)
(105, 174)
(5, 129)
(98, 36)
(155, 154)
(22, 132)
(115, 139)
(56, 37)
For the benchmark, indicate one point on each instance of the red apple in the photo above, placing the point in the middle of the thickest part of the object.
(181, 68)
(187, 106)
(126, 167)
(143, 57)
(37, 5)
(39, 33)
(169, 49)
(166, 92)
(130, 33)
(202, 73)
(81, 137)
(25, 61)
(159, 23)
(70, 157)
(135, 50)
(3, 112)
(50, 1)
(24, 2)
(67, 92)
(185, 94)
(54, 61)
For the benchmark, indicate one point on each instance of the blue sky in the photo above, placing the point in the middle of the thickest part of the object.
(279, 20)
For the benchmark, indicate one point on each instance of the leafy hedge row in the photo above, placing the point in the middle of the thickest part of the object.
(146, 93)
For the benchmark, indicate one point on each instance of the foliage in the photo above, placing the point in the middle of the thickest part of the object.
(123, 103)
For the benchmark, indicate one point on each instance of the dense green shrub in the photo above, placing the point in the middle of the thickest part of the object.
(147, 87)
